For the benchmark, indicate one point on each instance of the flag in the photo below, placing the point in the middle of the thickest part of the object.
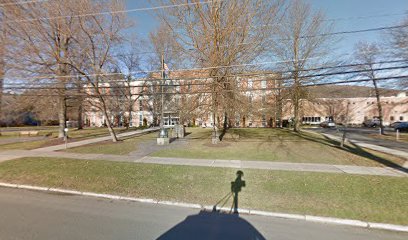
(166, 68)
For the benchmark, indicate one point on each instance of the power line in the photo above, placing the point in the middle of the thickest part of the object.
(234, 75)
(369, 16)
(204, 84)
(155, 71)
(22, 2)
(224, 90)
(113, 12)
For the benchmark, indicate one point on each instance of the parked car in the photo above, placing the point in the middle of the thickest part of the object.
(401, 126)
(392, 125)
(375, 122)
(327, 124)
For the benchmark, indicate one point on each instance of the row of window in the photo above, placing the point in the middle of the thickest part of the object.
(251, 83)
(311, 119)
(401, 118)
(382, 102)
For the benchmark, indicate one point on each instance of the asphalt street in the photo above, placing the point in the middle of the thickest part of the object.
(366, 135)
(37, 215)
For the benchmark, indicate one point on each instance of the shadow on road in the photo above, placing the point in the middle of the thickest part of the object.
(213, 225)
(216, 224)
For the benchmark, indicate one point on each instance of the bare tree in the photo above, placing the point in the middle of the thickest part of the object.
(130, 86)
(219, 35)
(398, 42)
(303, 42)
(41, 43)
(78, 43)
(368, 54)
(98, 35)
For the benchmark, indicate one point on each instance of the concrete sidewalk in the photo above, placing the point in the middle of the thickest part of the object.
(93, 140)
(264, 165)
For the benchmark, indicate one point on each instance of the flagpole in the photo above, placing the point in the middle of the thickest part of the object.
(162, 133)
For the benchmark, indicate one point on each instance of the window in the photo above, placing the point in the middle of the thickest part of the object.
(392, 118)
(140, 119)
(250, 83)
(141, 105)
(263, 84)
(401, 118)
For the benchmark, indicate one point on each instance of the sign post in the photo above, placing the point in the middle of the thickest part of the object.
(66, 137)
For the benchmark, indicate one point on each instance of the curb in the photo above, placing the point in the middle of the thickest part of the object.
(308, 218)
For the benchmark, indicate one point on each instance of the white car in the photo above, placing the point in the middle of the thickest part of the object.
(327, 124)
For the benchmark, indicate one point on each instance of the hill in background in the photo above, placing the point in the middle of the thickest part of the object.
(347, 91)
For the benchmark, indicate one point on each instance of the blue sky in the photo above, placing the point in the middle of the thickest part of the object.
(145, 22)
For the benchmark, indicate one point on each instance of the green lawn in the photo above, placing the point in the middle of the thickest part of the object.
(74, 135)
(274, 145)
(370, 198)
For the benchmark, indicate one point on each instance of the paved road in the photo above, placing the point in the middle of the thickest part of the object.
(36, 215)
(363, 135)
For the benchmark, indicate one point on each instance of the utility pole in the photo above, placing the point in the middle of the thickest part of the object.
(2, 62)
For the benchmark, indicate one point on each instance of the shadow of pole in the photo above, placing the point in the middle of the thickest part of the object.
(216, 225)
(236, 187)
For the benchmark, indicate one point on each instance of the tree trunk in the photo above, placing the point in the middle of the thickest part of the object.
(80, 123)
(129, 117)
(1, 81)
(62, 114)
(379, 106)
(110, 127)
(296, 125)
(2, 67)
(225, 127)
(108, 121)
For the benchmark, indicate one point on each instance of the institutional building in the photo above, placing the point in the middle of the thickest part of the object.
(261, 103)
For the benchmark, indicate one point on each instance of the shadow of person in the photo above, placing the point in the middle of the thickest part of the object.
(236, 187)
(213, 225)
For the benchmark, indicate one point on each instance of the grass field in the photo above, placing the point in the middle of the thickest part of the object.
(52, 133)
(275, 145)
(369, 198)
